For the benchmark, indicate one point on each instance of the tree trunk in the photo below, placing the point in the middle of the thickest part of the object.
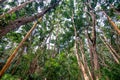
(84, 59)
(92, 47)
(80, 64)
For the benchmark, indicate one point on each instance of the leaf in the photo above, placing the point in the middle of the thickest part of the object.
(13, 16)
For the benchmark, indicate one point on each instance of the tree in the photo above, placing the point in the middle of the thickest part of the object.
(76, 40)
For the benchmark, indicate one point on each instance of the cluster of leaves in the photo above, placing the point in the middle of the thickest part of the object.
(4, 21)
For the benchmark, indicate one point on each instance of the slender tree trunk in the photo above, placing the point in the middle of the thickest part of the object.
(110, 49)
(91, 60)
(92, 47)
(80, 64)
(110, 46)
(95, 56)
(84, 59)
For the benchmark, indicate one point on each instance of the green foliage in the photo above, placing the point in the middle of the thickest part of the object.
(4, 21)
(53, 1)
(112, 72)
(9, 77)
(22, 68)
(61, 67)
(93, 3)
(16, 37)
(12, 4)
(1, 11)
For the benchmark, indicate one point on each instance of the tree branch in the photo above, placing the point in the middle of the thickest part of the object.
(24, 20)
(112, 23)
(17, 8)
